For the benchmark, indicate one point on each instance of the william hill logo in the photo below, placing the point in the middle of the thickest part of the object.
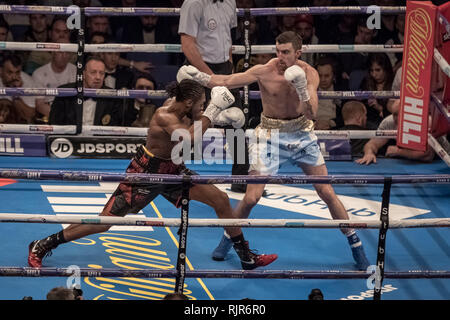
(11, 146)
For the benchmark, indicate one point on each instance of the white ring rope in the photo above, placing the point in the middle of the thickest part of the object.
(142, 132)
(244, 223)
(176, 48)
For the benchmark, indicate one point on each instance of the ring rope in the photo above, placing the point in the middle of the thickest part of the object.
(138, 11)
(242, 274)
(142, 132)
(131, 93)
(176, 48)
(443, 64)
(67, 175)
(213, 223)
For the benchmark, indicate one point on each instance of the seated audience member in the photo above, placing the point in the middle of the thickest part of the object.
(380, 78)
(61, 293)
(398, 38)
(304, 26)
(4, 31)
(94, 111)
(7, 112)
(36, 32)
(376, 145)
(323, 22)
(387, 24)
(354, 114)
(12, 76)
(139, 111)
(357, 61)
(397, 80)
(116, 77)
(97, 24)
(345, 29)
(56, 73)
(329, 111)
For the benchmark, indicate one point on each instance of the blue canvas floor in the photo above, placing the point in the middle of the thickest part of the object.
(298, 249)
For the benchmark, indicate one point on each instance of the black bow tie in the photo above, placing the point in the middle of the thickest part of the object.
(214, 1)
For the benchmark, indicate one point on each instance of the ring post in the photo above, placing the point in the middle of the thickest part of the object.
(182, 232)
(384, 217)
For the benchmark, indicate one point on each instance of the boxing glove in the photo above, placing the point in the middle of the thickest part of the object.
(231, 116)
(297, 77)
(192, 73)
(221, 98)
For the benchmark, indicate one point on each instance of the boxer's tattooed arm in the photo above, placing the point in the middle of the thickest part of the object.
(309, 111)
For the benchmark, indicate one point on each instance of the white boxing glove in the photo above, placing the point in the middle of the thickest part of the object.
(221, 98)
(233, 116)
(297, 77)
(192, 73)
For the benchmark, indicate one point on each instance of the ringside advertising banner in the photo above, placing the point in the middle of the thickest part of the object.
(416, 75)
(23, 145)
(93, 147)
(124, 148)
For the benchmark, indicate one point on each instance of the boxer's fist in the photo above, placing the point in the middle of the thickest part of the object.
(221, 98)
(231, 116)
(297, 76)
(192, 73)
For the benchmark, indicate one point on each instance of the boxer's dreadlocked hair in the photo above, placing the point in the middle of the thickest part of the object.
(186, 89)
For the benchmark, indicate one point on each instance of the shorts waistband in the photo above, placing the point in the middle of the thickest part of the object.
(298, 124)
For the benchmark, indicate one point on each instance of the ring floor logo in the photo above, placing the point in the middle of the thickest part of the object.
(61, 148)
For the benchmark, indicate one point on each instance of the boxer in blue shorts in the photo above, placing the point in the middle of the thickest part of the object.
(178, 113)
(288, 89)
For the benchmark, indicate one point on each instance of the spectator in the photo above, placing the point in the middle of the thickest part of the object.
(140, 111)
(396, 83)
(380, 78)
(37, 32)
(354, 114)
(59, 31)
(61, 293)
(387, 28)
(97, 24)
(329, 111)
(378, 145)
(98, 111)
(316, 294)
(12, 76)
(4, 32)
(52, 75)
(346, 26)
(324, 22)
(205, 30)
(116, 77)
(7, 112)
(354, 65)
(398, 38)
(304, 26)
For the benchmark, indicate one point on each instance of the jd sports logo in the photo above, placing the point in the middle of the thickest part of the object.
(61, 148)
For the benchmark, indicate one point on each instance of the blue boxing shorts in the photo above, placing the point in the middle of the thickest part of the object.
(276, 141)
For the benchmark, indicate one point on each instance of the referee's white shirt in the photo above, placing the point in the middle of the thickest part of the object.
(210, 23)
